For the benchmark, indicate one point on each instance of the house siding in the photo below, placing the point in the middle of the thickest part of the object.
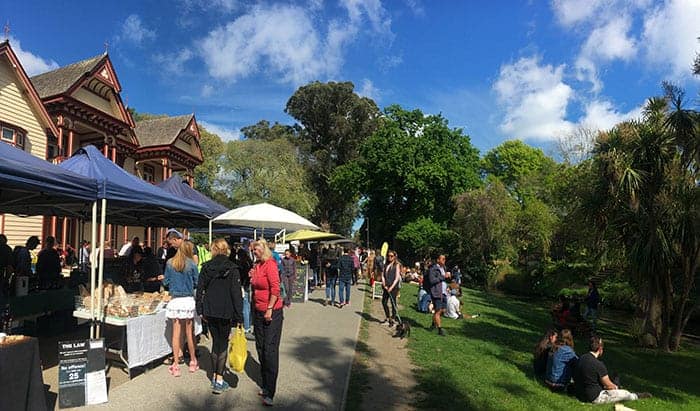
(15, 109)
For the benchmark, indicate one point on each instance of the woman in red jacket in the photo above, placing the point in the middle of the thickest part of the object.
(265, 282)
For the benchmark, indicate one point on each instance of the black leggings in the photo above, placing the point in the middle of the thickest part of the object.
(220, 328)
(386, 302)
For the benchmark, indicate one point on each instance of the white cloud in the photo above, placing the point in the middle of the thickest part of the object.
(174, 64)
(534, 98)
(416, 6)
(571, 12)
(31, 63)
(286, 41)
(670, 35)
(134, 31)
(226, 134)
(369, 90)
(606, 43)
(602, 115)
(207, 90)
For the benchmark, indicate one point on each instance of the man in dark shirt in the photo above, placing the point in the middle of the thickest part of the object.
(6, 262)
(48, 265)
(438, 291)
(591, 380)
(346, 267)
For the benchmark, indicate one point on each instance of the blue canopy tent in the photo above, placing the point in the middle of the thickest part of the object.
(32, 186)
(132, 201)
(177, 186)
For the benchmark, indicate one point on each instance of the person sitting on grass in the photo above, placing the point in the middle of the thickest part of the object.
(591, 380)
(561, 362)
(542, 350)
(423, 300)
(454, 307)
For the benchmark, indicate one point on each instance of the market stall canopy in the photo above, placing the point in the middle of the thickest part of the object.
(311, 235)
(177, 186)
(32, 186)
(265, 215)
(133, 201)
(237, 231)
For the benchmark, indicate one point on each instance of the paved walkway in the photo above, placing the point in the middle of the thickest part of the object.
(316, 352)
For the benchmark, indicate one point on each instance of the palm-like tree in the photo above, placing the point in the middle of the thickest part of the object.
(645, 195)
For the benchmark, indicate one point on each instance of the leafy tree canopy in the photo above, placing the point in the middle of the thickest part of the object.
(335, 122)
(255, 171)
(409, 168)
(514, 161)
(262, 130)
(206, 174)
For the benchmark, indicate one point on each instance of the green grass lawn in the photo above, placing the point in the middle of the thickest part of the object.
(485, 363)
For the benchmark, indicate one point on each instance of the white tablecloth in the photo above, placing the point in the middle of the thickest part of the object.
(148, 337)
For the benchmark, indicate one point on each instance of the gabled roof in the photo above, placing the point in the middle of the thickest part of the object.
(60, 80)
(161, 131)
(32, 94)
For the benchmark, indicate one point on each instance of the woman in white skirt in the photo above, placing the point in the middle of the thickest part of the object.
(181, 275)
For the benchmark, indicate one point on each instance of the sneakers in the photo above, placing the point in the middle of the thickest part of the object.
(385, 322)
(325, 303)
(220, 387)
(441, 332)
(267, 401)
(477, 315)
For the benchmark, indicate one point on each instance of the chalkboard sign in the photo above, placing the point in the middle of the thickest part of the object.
(81, 373)
(300, 292)
(72, 369)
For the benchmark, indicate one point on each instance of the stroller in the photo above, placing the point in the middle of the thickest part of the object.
(403, 329)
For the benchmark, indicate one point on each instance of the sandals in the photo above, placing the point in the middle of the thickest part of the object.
(174, 370)
(194, 366)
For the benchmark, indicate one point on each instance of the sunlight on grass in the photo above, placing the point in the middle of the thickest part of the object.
(485, 363)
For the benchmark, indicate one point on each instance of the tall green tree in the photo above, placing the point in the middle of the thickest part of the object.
(409, 170)
(646, 196)
(335, 122)
(262, 130)
(267, 171)
(514, 161)
(206, 174)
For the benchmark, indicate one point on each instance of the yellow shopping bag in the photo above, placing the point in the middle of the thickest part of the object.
(237, 350)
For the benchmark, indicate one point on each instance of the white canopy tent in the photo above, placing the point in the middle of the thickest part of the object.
(264, 216)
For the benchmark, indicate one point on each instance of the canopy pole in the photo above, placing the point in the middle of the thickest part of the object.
(91, 258)
(210, 223)
(103, 227)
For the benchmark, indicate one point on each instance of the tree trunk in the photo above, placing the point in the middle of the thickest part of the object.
(690, 266)
(667, 312)
(652, 308)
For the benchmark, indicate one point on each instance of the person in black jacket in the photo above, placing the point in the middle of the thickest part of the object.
(48, 265)
(346, 267)
(219, 302)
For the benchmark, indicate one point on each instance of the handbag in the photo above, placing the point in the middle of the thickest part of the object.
(237, 350)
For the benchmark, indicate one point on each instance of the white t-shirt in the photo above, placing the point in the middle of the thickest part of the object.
(125, 250)
(452, 310)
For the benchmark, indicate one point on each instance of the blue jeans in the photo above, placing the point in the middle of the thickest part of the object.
(246, 309)
(330, 288)
(344, 288)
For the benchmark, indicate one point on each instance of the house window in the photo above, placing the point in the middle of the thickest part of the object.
(13, 135)
(149, 173)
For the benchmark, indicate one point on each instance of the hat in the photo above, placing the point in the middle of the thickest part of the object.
(174, 233)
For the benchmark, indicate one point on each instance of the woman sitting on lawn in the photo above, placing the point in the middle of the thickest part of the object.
(542, 350)
(561, 362)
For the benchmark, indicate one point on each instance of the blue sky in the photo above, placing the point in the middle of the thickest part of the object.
(532, 70)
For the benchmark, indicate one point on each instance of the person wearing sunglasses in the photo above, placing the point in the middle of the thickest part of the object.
(390, 285)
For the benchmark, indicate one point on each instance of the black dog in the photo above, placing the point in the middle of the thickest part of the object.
(403, 330)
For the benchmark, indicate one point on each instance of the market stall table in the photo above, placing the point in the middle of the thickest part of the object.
(21, 381)
(142, 339)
